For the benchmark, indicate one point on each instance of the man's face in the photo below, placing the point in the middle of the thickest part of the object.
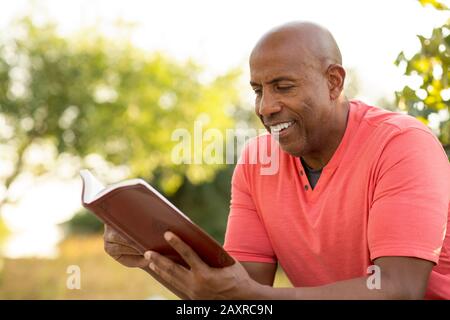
(292, 97)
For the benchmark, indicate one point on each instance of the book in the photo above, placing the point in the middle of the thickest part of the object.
(142, 215)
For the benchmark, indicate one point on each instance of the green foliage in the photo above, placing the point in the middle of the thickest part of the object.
(83, 222)
(436, 4)
(431, 64)
(87, 94)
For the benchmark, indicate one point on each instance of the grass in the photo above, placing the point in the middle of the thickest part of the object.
(101, 276)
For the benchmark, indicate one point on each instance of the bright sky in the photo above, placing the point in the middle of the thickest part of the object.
(219, 35)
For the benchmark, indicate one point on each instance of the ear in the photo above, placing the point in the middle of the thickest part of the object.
(335, 77)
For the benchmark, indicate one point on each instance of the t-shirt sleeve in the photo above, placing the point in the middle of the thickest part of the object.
(409, 211)
(246, 238)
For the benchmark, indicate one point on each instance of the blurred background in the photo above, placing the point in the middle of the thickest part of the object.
(103, 84)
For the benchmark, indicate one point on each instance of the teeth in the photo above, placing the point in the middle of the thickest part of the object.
(281, 126)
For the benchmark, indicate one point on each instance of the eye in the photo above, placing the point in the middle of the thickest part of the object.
(284, 88)
(257, 91)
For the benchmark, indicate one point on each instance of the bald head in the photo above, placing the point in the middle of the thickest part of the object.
(311, 42)
(297, 75)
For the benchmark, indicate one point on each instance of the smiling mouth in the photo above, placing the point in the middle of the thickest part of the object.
(280, 127)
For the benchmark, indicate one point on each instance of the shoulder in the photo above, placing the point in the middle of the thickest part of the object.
(386, 126)
(379, 117)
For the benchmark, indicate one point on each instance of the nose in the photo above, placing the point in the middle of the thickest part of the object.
(268, 105)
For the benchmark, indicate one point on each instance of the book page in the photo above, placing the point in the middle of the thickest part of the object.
(94, 189)
(92, 186)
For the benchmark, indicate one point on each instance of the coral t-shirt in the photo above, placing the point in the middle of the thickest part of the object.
(384, 192)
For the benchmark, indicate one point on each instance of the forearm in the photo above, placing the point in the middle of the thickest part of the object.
(353, 289)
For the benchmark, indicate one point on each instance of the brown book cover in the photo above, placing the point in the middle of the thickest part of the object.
(141, 214)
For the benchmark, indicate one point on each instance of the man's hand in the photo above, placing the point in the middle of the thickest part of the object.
(201, 281)
(122, 250)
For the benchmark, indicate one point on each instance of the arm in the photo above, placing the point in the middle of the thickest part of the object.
(263, 273)
(401, 278)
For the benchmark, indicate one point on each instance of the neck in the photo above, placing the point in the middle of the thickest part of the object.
(319, 159)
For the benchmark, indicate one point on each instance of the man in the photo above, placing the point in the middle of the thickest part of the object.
(356, 186)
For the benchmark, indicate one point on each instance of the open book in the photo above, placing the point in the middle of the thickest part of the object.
(141, 215)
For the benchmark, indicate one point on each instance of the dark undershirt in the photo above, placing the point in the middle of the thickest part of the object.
(313, 175)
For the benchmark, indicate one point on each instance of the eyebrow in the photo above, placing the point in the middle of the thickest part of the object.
(277, 79)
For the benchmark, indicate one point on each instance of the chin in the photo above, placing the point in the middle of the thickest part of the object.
(295, 151)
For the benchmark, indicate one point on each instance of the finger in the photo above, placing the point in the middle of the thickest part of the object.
(170, 271)
(119, 249)
(124, 245)
(186, 252)
(132, 261)
(113, 236)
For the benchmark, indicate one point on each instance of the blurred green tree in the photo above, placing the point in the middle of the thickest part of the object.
(430, 100)
(83, 222)
(87, 95)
